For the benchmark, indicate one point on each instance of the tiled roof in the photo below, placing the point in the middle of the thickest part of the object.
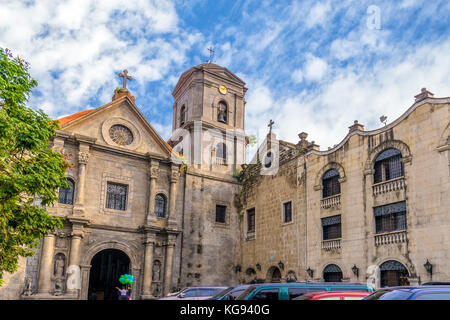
(74, 116)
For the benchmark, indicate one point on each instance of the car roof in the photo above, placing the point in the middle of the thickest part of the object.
(328, 284)
(418, 288)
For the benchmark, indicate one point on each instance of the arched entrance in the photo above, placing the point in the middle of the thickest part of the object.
(332, 273)
(106, 268)
(273, 275)
(393, 273)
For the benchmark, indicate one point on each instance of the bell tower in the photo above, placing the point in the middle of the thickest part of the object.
(208, 119)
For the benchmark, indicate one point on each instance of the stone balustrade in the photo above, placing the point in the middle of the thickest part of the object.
(329, 202)
(389, 186)
(391, 237)
(221, 161)
(333, 244)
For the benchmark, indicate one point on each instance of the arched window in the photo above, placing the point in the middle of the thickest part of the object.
(388, 165)
(393, 273)
(160, 205)
(221, 153)
(182, 115)
(66, 194)
(332, 273)
(330, 183)
(222, 112)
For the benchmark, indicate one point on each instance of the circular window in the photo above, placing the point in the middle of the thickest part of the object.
(121, 135)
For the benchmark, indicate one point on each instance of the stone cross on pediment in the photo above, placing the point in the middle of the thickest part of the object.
(125, 77)
(270, 126)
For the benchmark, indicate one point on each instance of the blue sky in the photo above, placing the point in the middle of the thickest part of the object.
(313, 66)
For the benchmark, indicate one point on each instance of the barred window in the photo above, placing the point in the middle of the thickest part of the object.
(251, 220)
(388, 165)
(66, 194)
(330, 183)
(331, 227)
(391, 217)
(287, 211)
(116, 197)
(160, 205)
(221, 213)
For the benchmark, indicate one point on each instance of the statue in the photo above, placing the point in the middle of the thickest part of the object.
(27, 291)
(58, 287)
(59, 266)
(156, 271)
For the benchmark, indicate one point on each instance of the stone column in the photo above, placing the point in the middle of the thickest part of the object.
(169, 263)
(74, 271)
(46, 264)
(154, 174)
(83, 158)
(148, 267)
(175, 174)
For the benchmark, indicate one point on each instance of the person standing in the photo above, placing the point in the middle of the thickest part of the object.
(122, 293)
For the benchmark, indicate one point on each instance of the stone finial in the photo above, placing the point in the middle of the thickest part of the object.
(356, 126)
(423, 95)
(303, 136)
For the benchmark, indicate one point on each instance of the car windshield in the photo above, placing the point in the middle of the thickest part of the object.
(389, 294)
(246, 293)
(222, 293)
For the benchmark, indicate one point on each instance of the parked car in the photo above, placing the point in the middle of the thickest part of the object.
(231, 293)
(432, 292)
(194, 293)
(291, 290)
(342, 295)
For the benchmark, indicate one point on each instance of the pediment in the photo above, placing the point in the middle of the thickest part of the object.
(132, 131)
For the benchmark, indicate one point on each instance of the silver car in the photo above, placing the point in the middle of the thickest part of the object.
(194, 293)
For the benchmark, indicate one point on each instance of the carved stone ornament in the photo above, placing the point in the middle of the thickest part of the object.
(175, 175)
(83, 157)
(154, 173)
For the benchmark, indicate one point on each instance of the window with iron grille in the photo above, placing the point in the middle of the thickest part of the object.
(116, 197)
(391, 217)
(388, 165)
(221, 151)
(221, 212)
(160, 205)
(251, 220)
(331, 227)
(287, 211)
(330, 183)
(66, 194)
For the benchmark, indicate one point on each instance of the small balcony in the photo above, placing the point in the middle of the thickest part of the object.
(330, 202)
(390, 238)
(221, 161)
(330, 245)
(389, 186)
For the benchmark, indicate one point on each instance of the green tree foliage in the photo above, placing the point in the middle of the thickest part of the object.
(31, 173)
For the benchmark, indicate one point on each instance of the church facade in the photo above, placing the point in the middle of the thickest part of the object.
(190, 212)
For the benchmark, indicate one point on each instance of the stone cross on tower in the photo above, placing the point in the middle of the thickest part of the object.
(270, 126)
(211, 54)
(125, 77)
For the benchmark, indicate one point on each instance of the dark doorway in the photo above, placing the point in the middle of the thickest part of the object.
(106, 268)
(393, 274)
(274, 275)
(332, 273)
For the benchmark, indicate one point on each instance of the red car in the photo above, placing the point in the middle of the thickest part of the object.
(337, 295)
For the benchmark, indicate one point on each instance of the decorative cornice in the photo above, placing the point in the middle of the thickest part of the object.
(385, 128)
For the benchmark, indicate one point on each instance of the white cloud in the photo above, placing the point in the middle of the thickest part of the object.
(315, 68)
(76, 47)
(318, 15)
